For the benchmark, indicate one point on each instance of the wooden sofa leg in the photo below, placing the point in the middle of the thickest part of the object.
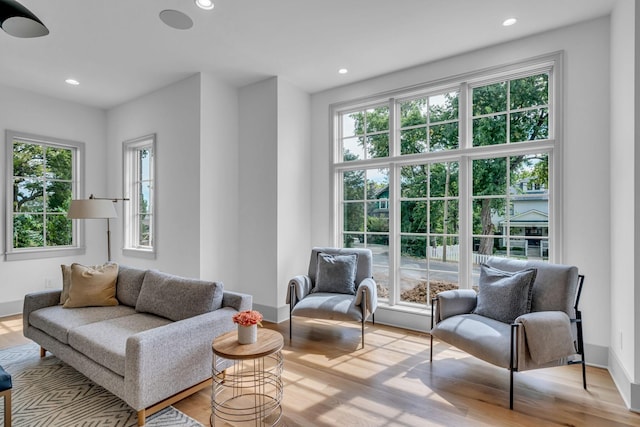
(141, 417)
(7, 407)
(43, 352)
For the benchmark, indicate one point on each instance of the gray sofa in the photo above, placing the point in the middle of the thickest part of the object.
(150, 350)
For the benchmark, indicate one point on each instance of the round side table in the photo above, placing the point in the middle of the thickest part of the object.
(249, 392)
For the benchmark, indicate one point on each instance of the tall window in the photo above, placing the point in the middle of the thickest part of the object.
(437, 179)
(139, 169)
(42, 178)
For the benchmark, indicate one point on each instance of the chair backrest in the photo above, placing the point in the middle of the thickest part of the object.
(364, 267)
(554, 288)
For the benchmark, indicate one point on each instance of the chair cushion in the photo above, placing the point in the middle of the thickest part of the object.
(554, 287)
(504, 295)
(92, 286)
(5, 380)
(482, 337)
(328, 306)
(336, 274)
(364, 267)
(177, 298)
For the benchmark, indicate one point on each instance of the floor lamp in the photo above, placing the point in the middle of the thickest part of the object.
(94, 209)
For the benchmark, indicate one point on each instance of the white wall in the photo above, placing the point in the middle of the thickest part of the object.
(257, 184)
(28, 112)
(586, 153)
(274, 183)
(219, 192)
(173, 114)
(625, 308)
(294, 197)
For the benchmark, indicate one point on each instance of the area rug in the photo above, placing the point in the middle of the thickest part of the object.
(49, 393)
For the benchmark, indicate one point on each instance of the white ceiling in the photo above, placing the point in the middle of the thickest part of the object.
(120, 49)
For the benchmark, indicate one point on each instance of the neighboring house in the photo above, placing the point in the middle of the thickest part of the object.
(528, 219)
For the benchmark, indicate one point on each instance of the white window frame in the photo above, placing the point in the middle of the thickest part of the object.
(131, 229)
(465, 154)
(77, 246)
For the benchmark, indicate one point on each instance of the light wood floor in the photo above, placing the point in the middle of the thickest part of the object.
(329, 380)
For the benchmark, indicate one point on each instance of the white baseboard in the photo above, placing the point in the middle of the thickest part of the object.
(9, 308)
(629, 390)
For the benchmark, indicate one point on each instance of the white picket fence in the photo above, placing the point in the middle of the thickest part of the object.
(453, 254)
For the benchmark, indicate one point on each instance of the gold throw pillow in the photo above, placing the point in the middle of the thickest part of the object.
(93, 286)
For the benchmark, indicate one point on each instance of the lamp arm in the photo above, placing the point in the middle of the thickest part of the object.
(113, 199)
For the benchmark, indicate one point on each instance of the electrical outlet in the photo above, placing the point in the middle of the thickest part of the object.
(48, 283)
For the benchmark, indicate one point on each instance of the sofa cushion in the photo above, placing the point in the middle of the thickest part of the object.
(504, 295)
(177, 298)
(92, 286)
(57, 321)
(479, 336)
(336, 274)
(129, 284)
(105, 342)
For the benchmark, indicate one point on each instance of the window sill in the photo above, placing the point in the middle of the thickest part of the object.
(42, 253)
(139, 253)
(412, 318)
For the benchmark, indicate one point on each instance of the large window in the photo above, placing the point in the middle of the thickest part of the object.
(139, 219)
(436, 179)
(43, 176)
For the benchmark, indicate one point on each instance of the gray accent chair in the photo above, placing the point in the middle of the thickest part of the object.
(304, 302)
(556, 290)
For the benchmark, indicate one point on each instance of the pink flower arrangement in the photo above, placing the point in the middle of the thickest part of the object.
(248, 318)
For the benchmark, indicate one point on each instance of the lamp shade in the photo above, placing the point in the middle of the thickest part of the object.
(18, 21)
(91, 208)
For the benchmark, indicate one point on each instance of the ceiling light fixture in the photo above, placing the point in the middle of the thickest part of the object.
(343, 71)
(72, 82)
(508, 22)
(176, 19)
(204, 4)
(18, 21)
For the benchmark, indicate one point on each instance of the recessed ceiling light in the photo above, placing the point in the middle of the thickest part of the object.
(343, 71)
(72, 82)
(510, 21)
(204, 4)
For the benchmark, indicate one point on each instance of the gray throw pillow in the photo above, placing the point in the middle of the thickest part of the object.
(336, 273)
(177, 298)
(129, 284)
(504, 295)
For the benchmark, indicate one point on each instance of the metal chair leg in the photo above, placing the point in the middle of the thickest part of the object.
(430, 348)
(292, 290)
(512, 361)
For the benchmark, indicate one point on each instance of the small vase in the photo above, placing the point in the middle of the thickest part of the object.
(247, 334)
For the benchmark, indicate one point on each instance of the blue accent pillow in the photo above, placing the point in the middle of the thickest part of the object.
(336, 274)
(504, 295)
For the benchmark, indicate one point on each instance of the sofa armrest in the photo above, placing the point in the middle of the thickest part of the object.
(237, 301)
(369, 290)
(454, 302)
(163, 361)
(301, 288)
(37, 300)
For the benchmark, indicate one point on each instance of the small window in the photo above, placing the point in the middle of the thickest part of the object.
(43, 175)
(139, 181)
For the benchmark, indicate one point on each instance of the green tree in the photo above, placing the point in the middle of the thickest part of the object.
(42, 187)
(503, 112)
